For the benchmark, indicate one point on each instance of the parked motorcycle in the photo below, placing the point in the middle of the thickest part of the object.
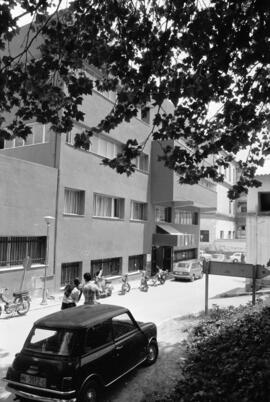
(20, 303)
(160, 277)
(144, 282)
(105, 287)
(125, 288)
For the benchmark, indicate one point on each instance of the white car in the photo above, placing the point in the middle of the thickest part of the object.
(237, 257)
(217, 257)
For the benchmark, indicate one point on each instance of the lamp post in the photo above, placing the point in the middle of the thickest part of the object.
(48, 220)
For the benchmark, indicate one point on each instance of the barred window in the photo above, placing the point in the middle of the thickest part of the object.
(70, 271)
(136, 262)
(109, 266)
(13, 250)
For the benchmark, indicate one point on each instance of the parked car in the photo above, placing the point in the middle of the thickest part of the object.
(205, 256)
(190, 269)
(217, 257)
(237, 257)
(73, 354)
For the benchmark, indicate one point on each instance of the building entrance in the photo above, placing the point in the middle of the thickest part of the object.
(162, 256)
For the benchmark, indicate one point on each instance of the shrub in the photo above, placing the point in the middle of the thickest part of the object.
(227, 357)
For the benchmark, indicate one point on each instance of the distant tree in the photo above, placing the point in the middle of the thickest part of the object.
(192, 53)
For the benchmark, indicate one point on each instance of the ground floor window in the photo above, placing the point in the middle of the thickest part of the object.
(204, 235)
(136, 262)
(13, 250)
(70, 271)
(181, 255)
(109, 266)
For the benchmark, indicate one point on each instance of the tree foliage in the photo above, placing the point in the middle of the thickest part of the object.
(227, 357)
(192, 53)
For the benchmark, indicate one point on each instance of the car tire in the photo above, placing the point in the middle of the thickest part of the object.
(90, 392)
(235, 260)
(152, 353)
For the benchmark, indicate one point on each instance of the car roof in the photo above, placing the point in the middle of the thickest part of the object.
(80, 317)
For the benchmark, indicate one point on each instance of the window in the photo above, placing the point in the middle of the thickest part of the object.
(229, 234)
(221, 234)
(107, 148)
(13, 250)
(99, 335)
(142, 163)
(242, 207)
(136, 262)
(51, 341)
(122, 325)
(264, 202)
(110, 266)
(182, 255)
(182, 217)
(74, 202)
(108, 207)
(163, 214)
(186, 240)
(204, 236)
(138, 211)
(70, 271)
(39, 135)
(145, 114)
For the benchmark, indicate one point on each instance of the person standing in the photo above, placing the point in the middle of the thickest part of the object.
(77, 291)
(68, 301)
(90, 290)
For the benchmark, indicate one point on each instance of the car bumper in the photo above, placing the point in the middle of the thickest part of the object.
(182, 276)
(38, 394)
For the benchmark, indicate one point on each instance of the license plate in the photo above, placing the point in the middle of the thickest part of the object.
(33, 380)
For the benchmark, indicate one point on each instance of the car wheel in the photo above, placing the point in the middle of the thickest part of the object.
(152, 354)
(235, 260)
(90, 392)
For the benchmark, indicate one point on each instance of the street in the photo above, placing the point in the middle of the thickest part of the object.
(160, 303)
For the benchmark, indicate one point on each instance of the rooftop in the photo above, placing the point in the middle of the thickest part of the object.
(80, 317)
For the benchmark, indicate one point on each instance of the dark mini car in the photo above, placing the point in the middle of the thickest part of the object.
(72, 354)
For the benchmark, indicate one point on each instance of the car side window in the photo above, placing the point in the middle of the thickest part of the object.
(122, 325)
(98, 335)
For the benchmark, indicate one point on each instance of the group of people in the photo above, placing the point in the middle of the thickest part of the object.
(73, 292)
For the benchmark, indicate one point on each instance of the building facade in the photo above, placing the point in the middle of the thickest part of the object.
(101, 219)
(225, 228)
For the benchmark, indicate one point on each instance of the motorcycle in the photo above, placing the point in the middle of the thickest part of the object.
(105, 287)
(125, 288)
(160, 277)
(20, 303)
(144, 282)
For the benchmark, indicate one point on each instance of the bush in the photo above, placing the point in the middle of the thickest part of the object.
(227, 357)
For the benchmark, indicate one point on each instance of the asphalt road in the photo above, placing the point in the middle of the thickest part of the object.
(159, 304)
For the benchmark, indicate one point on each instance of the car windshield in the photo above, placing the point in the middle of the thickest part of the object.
(52, 341)
(182, 265)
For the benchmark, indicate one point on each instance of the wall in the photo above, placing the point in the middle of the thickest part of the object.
(82, 239)
(27, 194)
(45, 154)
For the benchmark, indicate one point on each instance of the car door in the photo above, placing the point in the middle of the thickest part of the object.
(130, 343)
(99, 352)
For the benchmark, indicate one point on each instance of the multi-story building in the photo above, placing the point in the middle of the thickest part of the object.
(225, 228)
(102, 219)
